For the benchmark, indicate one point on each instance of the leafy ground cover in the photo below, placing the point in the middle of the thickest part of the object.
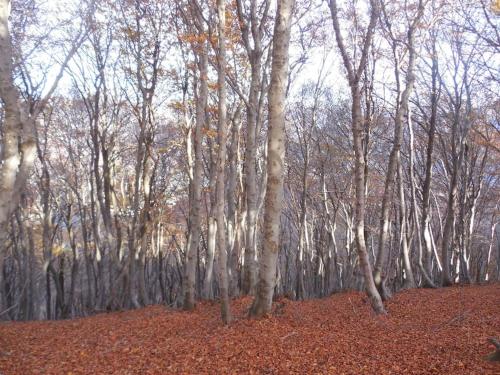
(442, 331)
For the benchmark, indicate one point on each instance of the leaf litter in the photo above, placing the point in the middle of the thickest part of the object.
(441, 331)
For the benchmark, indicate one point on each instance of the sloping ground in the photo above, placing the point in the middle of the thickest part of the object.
(441, 331)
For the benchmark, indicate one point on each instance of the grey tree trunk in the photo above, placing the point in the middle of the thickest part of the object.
(18, 140)
(401, 112)
(275, 159)
(196, 185)
(426, 263)
(211, 242)
(409, 280)
(251, 25)
(250, 264)
(300, 288)
(233, 210)
(451, 207)
(221, 165)
(209, 267)
(354, 74)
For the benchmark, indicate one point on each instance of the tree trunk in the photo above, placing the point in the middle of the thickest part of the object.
(353, 75)
(196, 185)
(232, 212)
(221, 165)
(252, 26)
(426, 270)
(209, 267)
(401, 112)
(275, 159)
(409, 280)
(250, 263)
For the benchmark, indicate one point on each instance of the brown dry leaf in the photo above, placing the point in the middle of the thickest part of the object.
(442, 331)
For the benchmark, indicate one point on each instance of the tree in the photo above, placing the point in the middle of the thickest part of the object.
(402, 99)
(252, 26)
(275, 160)
(354, 74)
(196, 183)
(425, 268)
(18, 141)
(221, 163)
(19, 126)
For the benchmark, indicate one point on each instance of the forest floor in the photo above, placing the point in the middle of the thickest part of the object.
(442, 331)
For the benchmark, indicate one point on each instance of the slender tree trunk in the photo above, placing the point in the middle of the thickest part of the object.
(196, 186)
(232, 212)
(401, 112)
(275, 159)
(209, 267)
(300, 288)
(359, 226)
(416, 217)
(426, 270)
(221, 165)
(252, 28)
(212, 223)
(250, 263)
(489, 263)
(409, 280)
(449, 227)
(353, 75)
(451, 206)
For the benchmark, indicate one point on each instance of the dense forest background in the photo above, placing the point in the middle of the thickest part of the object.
(149, 155)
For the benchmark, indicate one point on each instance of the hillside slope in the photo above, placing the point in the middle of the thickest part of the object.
(441, 331)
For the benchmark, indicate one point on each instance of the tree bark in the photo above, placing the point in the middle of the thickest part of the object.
(426, 234)
(196, 185)
(409, 280)
(221, 165)
(353, 77)
(401, 112)
(250, 24)
(275, 160)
